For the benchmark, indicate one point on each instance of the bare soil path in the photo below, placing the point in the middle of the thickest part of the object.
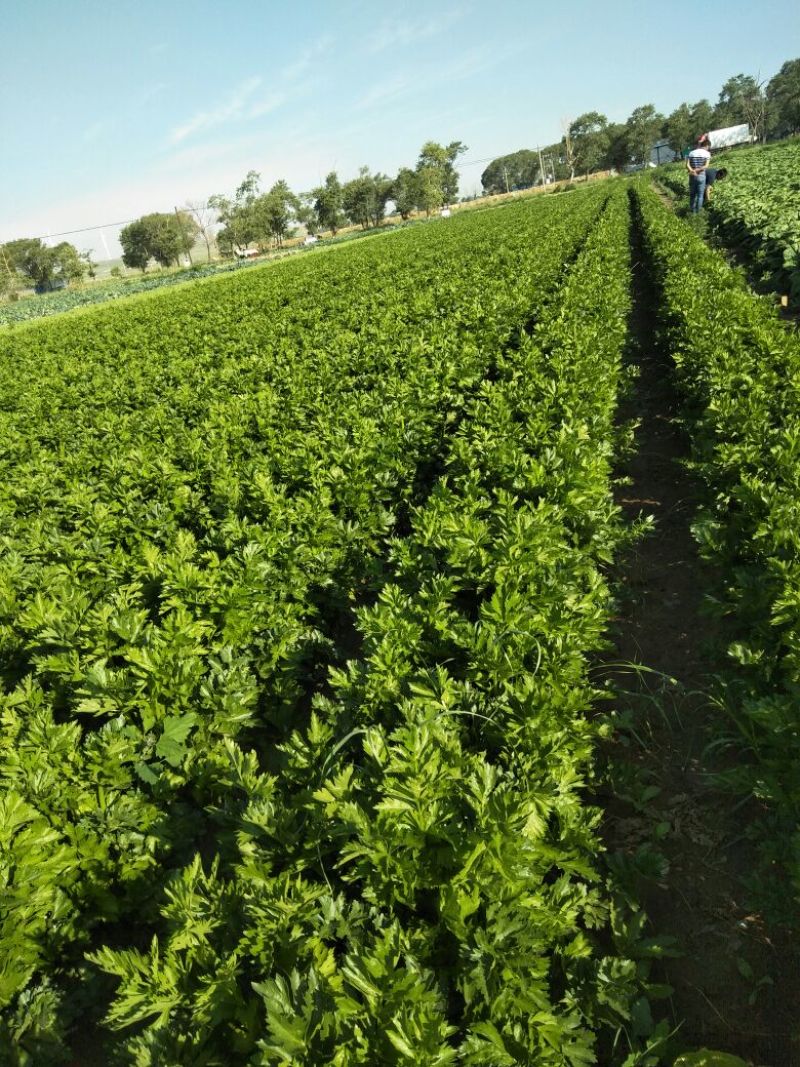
(736, 983)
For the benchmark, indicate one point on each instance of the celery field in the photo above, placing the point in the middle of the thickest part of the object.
(306, 572)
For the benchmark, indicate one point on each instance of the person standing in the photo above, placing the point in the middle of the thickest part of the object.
(697, 164)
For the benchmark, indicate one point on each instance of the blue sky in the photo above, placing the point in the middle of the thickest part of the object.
(112, 108)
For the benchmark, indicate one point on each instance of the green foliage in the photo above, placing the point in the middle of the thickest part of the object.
(589, 141)
(274, 214)
(328, 204)
(755, 212)
(436, 169)
(163, 237)
(739, 367)
(642, 130)
(302, 572)
(364, 198)
(518, 170)
(39, 265)
(706, 1058)
(783, 96)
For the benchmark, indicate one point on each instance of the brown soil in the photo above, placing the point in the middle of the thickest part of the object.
(736, 983)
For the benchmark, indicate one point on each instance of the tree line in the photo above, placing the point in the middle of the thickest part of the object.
(591, 143)
(247, 217)
(250, 216)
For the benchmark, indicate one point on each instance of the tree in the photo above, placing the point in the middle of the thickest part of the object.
(9, 278)
(405, 191)
(430, 189)
(203, 216)
(703, 119)
(42, 266)
(274, 213)
(617, 154)
(235, 214)
(305, 214)
(783, 95)
(364, 198)
(328, 205)
(643, 128)
(678, 129)
(135, 245)
(742, 99)
(434, 156)
(518, 170)
(162, 236)
(589, 139)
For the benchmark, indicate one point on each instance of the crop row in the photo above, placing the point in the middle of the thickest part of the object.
(755, 211)
(413, 879)
(739, 368)
(196, 492)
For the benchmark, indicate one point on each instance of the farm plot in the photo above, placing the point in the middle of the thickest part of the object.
(301, 573)
(739, 369)
(756, 211)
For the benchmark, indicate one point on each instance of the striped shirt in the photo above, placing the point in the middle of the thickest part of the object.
(699, 157)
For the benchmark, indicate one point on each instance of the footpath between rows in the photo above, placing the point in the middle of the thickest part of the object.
(678, 840)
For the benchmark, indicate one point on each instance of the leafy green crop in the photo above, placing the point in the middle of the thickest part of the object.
(756, 211)
(739, 368)
(301, 571)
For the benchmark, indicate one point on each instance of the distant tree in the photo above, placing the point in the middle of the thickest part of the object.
(167, 239)
(617, 154)
(328, 205)
(274, 213)
(642, 131)
(188, 230)
(9, 278)
(405, 191)
(518, 170)
(704, 118)
(91, 266)
(304, 214)
(678, 129)
(135, 245)
(742, 99)
(235, 215)
(434, 156)
(430, 189)
(203, 216)
(588, 136)
(42, 266)
(162, 236)
(783, 95)
(364, 198)
(567, 148)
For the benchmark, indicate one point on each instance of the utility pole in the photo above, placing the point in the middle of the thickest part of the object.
(505, 175)
(541, 164)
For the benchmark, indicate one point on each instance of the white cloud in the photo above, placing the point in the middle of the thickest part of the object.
(387, 91)
(232, 107)
(305, 58)
(433, 76)
(268, 103)
(395, 34)
(243, 104)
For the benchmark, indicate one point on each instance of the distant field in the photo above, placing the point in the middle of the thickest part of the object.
(105, 287)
